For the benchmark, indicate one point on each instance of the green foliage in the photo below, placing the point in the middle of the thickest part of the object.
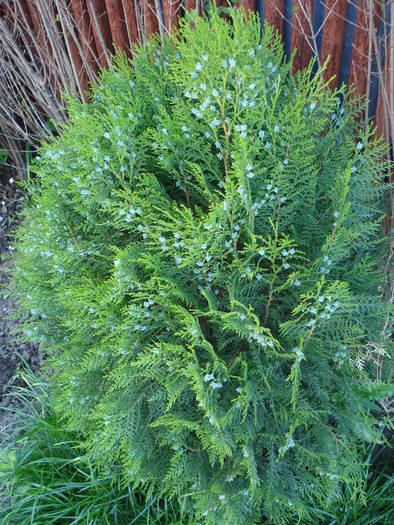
(377, 390)
(375, 506)
(44, 479)
(199, 260)
(3, 156)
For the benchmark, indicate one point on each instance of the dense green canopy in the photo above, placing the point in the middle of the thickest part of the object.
(200, 261)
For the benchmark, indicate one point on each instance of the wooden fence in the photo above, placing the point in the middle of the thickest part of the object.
(356, 34)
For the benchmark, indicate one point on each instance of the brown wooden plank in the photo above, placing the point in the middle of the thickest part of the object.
(172, 11)
(36, 24)
(85, 32)
(359, 61)
(150, 17)
(34, 15)
(301, 32)
(101, 30)
(382, 121)
(379, 114)
(334, 25)
(192, 4)
(117, 24)
(274, 12)
(382, 115)
(358, 66)
(66, 27)
(130, 20)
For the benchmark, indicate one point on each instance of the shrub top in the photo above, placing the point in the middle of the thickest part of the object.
(200, 261)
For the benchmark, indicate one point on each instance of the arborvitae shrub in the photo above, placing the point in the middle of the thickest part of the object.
(199, 260)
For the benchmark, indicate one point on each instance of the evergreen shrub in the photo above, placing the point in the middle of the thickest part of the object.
(200, 261)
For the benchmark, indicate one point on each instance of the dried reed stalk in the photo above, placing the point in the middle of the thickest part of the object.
(45, 54)
(42, 58)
